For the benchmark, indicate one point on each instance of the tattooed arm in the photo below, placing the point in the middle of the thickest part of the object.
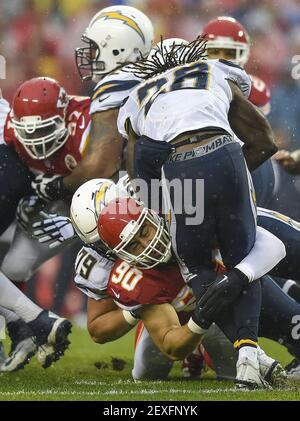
(103, 156)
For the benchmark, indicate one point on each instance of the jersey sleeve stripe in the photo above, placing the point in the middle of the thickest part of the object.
(114, 86)
(85, 140)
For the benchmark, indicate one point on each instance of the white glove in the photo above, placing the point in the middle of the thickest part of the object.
(25, 211)
(53, 229)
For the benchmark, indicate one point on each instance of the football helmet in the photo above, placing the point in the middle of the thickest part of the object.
(87, 202)
(226, 32)
(167, 45)
(121, 219)
(38, 116)
(115, 35)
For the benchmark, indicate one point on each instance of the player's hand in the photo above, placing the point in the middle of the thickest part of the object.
(288, 160)
(27, 208)
(53, 229)
(223, 291)
(50, 187)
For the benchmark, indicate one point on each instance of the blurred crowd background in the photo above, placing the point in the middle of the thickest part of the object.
(38, 37)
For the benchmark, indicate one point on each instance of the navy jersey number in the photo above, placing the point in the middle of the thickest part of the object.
(193, 76)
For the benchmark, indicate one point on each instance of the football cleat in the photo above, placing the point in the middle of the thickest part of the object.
(23, 346)
(270, 369)
(293, 370)
(20, 356)
(51, 331)
(18, 331)
(249, 376)
(46, 355)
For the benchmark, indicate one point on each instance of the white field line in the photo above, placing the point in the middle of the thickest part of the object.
(133, 392)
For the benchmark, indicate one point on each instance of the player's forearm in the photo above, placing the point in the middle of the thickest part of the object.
(255, 153)
(108, 327)
(92, 167)
(179, 342)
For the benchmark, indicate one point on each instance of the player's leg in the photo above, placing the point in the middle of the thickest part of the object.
(149, 362)
(15, 183)
(26, 254)
(279, 316)
(264, 183)
(22, 345)
(288, 231)
(46, 327)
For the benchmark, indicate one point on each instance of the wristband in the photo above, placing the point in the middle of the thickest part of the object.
(132, 321)
(195, 328)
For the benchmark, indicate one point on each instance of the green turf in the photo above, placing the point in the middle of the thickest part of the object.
(76, 377)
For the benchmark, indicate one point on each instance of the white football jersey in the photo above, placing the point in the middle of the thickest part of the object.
(112, 90)
(92, 273)
(4, 110)
(183, 99)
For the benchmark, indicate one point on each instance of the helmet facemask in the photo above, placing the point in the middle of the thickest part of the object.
(89, 63)
(241, 49)
(158, 251)
(87, 60)
(40, 138)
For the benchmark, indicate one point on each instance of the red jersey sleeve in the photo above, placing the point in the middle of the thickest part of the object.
(8, 132)
(260, 94)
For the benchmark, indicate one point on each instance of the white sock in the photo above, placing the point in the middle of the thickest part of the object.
(13, 299)
(9, 315)
(248, 352)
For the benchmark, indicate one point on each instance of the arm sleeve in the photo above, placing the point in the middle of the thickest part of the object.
(92, 273)
(112, 91)
(237, 75)
(266, 253)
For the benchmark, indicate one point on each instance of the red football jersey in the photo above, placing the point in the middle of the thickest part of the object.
(65, 159)
(132, 287)
(260, 94)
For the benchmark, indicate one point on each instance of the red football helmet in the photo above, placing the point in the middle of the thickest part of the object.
(226, 32)
(38, 116)
(121, 220)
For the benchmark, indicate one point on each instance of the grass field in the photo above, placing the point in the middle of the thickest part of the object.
(95, 372)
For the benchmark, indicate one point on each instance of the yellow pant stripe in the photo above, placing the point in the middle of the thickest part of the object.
(237, 344)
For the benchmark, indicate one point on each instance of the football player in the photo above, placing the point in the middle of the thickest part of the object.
(49, 131)
(181, 122)
(61, 175)
(227, 39)
(132, 238)
(92, 280)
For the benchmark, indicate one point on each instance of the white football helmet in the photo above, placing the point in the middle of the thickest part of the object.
(115, 35)
(87, 202)
(167, 45)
